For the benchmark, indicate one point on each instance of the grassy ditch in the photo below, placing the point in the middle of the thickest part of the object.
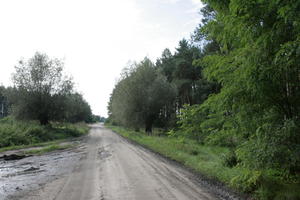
(215, 162)
(16, 134)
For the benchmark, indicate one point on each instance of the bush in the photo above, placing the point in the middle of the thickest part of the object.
(275, 187)
(229, 159)
(222, 138)
(273, 146)
(189, 122)
(247, 182)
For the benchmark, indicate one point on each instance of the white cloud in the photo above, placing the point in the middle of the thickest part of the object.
(171, 1)
(197, 5)
(196, 2)
(96, 38)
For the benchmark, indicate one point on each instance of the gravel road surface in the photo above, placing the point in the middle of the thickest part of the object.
(111, 168)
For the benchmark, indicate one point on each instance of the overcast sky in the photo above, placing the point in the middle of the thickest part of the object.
(96, 38)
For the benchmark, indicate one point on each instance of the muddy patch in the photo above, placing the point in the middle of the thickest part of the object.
(24, 174)
(13, 157)
(103, 153)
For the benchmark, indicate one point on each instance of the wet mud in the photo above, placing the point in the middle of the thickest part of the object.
(20, 174)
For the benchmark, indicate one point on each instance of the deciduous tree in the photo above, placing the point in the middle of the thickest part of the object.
(41, 89)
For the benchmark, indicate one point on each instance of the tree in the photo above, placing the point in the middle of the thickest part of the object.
(98, 118)
(181, 70)
(4, 104)
(185, 74)
(166, 64)
(77, 109)
(258, 68)
(41, 89)
(140, 95)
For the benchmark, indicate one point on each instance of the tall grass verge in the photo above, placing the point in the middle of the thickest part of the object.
(22, 133)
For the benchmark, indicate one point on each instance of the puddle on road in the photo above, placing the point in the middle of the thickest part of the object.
(32, 172)
(103, 153)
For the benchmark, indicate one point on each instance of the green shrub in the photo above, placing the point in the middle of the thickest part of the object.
(247, 182)
(189, 121)
(287, 192)
(274, 146)
(222, 138)
(16, 133)
(274, 187)
(229, 159)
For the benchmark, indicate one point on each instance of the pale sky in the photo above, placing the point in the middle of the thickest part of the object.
(95, 38)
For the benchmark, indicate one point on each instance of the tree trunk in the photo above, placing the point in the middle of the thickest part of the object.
(148, 128)
(44, 121)
(148, 124)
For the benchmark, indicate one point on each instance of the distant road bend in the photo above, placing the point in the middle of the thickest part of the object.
(115, 169)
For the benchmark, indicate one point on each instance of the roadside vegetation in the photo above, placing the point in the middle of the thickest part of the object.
(42, 106)
(16, 134)
(233, 87)
(209, 160)
(49, 148)
(39, 145)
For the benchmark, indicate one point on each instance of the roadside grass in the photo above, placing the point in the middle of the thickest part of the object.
(40, 144)
(210, 161)
(49, 148)
(205, 159)
(15, 134)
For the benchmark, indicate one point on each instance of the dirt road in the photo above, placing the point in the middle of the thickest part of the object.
(112, 168)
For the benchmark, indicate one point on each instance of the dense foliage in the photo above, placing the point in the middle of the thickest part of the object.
(151, 93)
(140, 95)
(257, 66)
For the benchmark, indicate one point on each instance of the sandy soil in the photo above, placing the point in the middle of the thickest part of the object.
(104, 167)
